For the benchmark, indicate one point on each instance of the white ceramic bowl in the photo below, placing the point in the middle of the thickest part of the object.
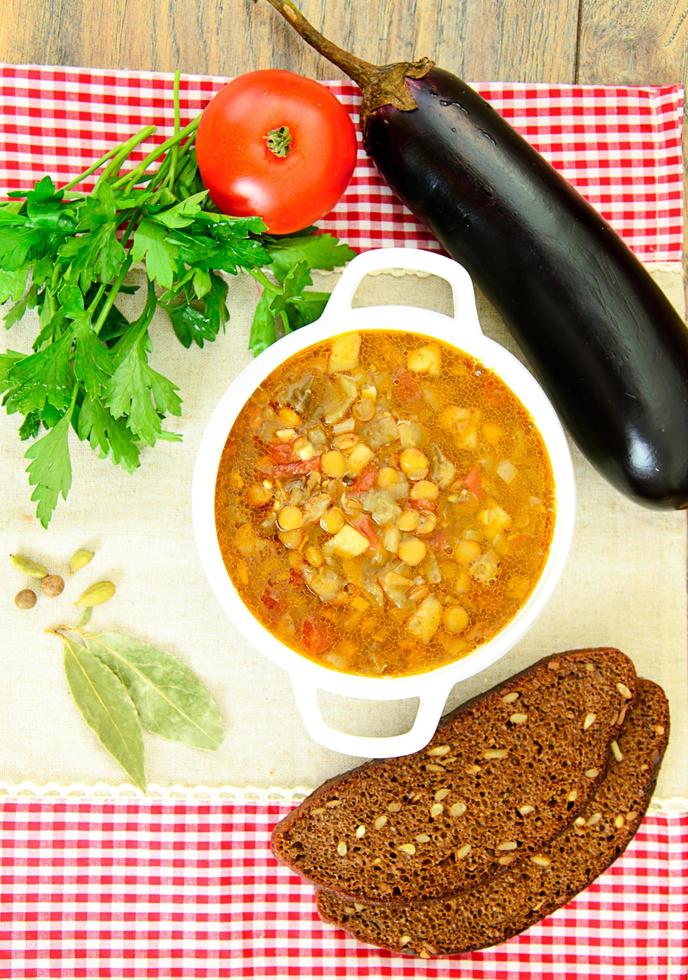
(463, 332)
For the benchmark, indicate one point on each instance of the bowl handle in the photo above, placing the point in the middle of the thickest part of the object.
(431, 703)
(413, 260)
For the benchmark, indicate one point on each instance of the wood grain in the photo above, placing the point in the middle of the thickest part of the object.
(528, 40)
(650, 47)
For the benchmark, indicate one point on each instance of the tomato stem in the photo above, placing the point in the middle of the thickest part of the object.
(278, 141)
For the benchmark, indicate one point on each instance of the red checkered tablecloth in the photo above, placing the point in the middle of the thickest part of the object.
(620, 146)
(121, 888)
(146, 889)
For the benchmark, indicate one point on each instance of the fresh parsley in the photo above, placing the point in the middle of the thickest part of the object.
(67, 254)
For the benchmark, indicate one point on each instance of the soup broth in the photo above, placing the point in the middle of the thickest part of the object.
(384, 503)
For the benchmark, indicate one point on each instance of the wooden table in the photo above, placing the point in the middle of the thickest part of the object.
(627, 41)
(588, 41)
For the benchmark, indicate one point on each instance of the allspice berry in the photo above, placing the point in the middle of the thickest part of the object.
(52, 585)
(26, 599)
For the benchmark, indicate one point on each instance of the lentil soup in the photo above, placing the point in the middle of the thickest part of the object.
(384, 503)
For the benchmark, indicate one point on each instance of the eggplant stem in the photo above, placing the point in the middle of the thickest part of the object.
(380, 84)
(357, 69)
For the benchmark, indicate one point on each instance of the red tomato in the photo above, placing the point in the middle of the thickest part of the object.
(313, 152)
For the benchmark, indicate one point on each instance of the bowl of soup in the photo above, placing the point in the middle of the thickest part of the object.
(383, 502)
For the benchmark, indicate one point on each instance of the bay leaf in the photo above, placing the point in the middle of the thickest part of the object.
(106, 706)
(170, 699)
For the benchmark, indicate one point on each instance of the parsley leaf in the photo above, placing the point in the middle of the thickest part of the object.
(17, 311)
(224, 245)
(151, 245)
(7, 362)
(16, 244)
(93, 364)
(263, 327)
(70, 298)
(13, 283)
(30, 427)
(45, 377)
(317, 251)
(128, 395)
(199, 319)
(43, 207)
(306, 308)
(50, 469)
(96, 256)
(286, 307)
(106, 434)
(182, 214)
(135, 390)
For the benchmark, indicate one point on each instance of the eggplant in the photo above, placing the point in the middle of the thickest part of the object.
(607, 345)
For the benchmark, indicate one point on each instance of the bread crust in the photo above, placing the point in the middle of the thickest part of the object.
(539, 739)
(508, 904)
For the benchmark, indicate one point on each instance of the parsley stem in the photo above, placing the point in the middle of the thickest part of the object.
(97, 298)
(159, 178)
(124, 152)
(75, 392)
(117, 284)
(177, 127)
(112, 295)
(178, 285)
(82, 176)
(263, 280)
(90, 170)
(148, 310)
(132, 177)
(136, 214)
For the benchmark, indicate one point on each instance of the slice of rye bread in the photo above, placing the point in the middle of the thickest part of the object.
(540, 740)
(532, 887)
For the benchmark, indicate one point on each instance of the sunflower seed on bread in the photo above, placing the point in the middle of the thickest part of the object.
(532, 887)
(493, 768)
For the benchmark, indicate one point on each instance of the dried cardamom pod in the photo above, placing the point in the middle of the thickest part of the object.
(96, 594)
(27, 566)
(80, 559)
